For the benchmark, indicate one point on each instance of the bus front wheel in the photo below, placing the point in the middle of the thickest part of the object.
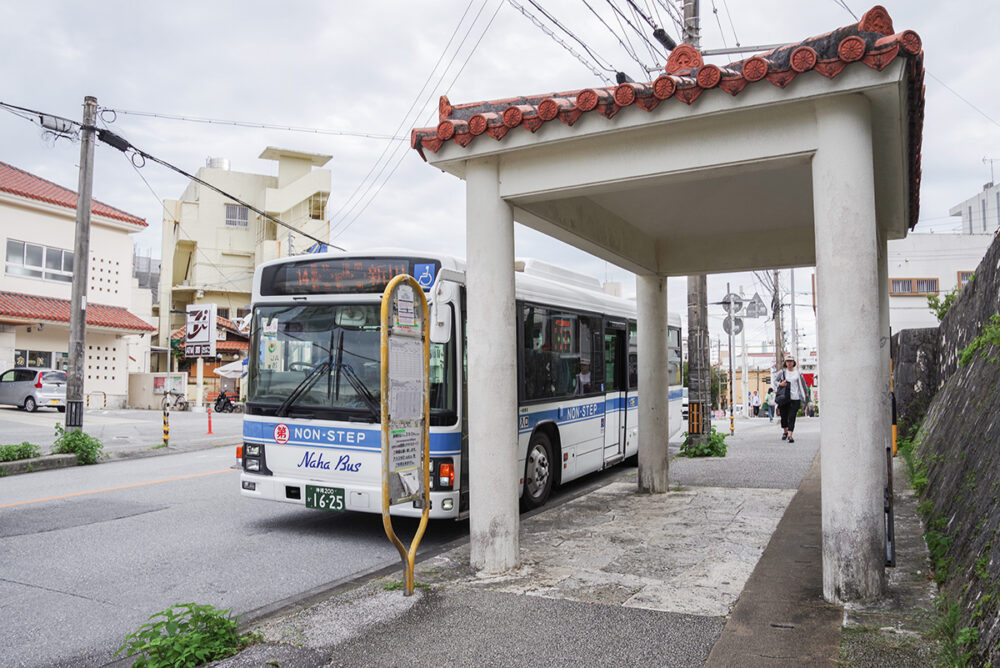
(537, 472)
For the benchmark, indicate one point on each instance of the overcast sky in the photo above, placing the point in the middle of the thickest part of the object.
(359, 67)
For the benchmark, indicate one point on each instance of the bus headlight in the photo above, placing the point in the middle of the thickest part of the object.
(251, 464)
(251, 449)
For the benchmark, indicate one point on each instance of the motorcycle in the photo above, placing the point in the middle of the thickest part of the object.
(223, 404)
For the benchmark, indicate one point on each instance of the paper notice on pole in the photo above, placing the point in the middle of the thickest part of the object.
(406, 378)
(405, 316)
(405, 450)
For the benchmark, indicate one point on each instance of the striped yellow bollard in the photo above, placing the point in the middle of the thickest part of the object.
(166, 428)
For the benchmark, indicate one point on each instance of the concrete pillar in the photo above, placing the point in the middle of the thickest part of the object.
(852, 437)
(654, 389)
(494, 471)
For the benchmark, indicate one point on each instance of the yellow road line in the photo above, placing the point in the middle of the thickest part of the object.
(113, 489)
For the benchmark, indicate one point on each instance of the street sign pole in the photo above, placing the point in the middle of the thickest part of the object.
(732, 419)
(405, 407)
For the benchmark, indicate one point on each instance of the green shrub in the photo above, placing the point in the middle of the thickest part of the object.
(25, 450)
(715, 446)
(186, 635)
(75, 442)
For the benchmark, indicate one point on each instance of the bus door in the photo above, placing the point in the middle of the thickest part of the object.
(615, 401)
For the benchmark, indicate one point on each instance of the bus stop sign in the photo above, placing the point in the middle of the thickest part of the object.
(405, 409)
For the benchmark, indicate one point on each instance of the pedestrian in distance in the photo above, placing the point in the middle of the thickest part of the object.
(769, 401)
(755, 403)
(791, 394)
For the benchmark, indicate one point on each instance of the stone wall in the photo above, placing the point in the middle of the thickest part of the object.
(914, 369)
(958, 450)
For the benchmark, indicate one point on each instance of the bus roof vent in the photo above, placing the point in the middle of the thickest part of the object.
(541, 269)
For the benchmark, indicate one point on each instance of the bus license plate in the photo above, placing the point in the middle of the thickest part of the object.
(324, 498)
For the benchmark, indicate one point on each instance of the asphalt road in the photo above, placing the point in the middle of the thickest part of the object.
(87, 554)
(123, 432)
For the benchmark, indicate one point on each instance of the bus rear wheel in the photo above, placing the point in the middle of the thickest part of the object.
(537, 472)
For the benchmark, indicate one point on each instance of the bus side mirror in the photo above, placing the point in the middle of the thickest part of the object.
(440, 325)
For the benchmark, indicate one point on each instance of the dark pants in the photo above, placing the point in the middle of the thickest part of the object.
(756, 411)
(789, 412)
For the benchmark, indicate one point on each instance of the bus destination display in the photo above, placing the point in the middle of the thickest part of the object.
(341, 276)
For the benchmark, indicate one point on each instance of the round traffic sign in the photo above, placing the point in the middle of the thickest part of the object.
(734, 324)
(732, 303)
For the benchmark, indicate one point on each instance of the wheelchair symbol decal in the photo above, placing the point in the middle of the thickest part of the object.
(424, 273)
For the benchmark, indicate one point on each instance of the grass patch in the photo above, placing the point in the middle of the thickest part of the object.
(398, 585)
(989, 336)
(14, 452)
(715, 446)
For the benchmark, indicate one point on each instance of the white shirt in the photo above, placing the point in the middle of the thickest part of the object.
(795, 382)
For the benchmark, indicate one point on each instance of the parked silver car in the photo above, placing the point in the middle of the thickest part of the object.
(32, 388)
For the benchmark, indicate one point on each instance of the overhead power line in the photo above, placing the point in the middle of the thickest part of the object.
(401, 150)
(594, 68)
(249, 124)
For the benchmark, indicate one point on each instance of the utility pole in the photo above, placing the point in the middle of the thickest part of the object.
(779, 343)
(81, 260)
(795, 331)
(692, 26)
(744, 366)
(699, 353)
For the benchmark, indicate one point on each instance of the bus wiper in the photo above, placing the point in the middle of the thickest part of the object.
(302, 388)
(360, 389)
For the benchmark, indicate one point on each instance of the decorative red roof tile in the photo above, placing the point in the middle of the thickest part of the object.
(872, 41)
(50, 309)
(19, 182)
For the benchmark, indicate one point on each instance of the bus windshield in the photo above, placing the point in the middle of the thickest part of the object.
(322, 361)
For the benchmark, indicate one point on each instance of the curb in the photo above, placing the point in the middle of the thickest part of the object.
(43, 463)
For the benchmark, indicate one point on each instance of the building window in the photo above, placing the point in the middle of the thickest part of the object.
(970, 220)
(237, 216)
(913, 286)
(33, 359)
(963, 278)
(317, 206)
(222, 312)
(35, 261)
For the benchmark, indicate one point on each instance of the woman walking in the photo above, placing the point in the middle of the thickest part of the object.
(792, 393)
(769, 401)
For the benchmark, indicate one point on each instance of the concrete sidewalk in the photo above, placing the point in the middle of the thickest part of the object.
(608, 578)
(724, 570)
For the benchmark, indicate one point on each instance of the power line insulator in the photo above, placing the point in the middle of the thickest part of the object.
(663, 38)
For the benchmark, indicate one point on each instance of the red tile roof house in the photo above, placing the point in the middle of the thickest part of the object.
(37, 229)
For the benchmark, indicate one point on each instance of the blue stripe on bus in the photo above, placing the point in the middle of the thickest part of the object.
(339, 438)
(582, 412)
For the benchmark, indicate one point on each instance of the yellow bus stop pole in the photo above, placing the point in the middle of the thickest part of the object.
(407, 556)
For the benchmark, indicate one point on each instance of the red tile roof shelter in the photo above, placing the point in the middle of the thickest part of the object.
(808, 154)
(25, 184)
(22, 308)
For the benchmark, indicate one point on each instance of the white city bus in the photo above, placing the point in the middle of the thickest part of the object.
(311, 432)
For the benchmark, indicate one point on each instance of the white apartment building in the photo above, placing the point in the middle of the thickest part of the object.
(929, 264)
(980, 213)
(211, 244)
(37, 229)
